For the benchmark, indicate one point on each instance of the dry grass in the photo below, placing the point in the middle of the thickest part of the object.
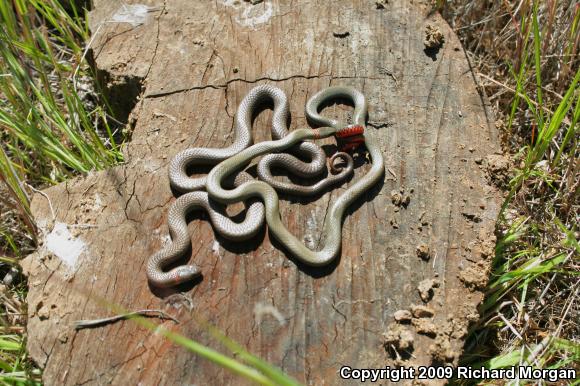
(531, 313)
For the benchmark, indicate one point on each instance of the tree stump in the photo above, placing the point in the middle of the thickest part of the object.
(416, 247)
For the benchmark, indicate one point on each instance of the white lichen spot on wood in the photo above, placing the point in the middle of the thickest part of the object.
(98, 202)
(215, 248)
(261, 309)
(152, 166)
(251, 15)
(311, 230)
(134, 14)
(64, 245)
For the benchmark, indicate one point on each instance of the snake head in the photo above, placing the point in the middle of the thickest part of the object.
(184, 273)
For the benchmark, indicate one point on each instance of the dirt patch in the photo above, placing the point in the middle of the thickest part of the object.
(420, 311)
(399, 198)
(475, 276)
(483, 247)
(498, 168)
(423, 252)
(403, 316)
(433, 37)
(426, 289)
(381, 4)
(441, 350)
(425, 326)
(399, 336)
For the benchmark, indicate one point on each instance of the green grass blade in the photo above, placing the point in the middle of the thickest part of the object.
(538, 67)
(271, 371)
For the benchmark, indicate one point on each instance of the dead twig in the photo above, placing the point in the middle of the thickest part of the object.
(47, 199)
(80, 324)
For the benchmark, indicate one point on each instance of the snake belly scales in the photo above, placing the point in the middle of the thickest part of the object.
(260, 196)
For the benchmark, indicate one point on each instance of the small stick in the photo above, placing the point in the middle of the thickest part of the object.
(47, 199)
(80, 324)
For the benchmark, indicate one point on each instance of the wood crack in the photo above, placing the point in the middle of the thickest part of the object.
(156, 40)
(226, 84)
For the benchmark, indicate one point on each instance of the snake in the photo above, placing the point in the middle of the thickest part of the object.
(332, 227)
(181, 182)
(195, 198)
(181, 240)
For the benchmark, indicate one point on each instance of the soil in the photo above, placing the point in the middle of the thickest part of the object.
(434, 38)
(426, 289)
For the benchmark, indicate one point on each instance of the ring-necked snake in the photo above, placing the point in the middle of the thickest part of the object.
(255, 193)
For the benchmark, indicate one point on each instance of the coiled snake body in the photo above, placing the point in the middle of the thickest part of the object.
(238, 155)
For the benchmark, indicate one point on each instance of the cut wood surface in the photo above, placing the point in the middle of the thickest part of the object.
(420, 241)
